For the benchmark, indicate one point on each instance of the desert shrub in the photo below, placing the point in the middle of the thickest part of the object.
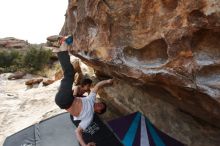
(8, 59)
(35, 59)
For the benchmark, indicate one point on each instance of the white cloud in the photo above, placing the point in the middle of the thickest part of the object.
(31, 20)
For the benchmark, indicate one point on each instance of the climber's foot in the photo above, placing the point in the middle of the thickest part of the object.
(63, 43)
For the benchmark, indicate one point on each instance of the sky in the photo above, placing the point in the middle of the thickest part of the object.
(32, 20)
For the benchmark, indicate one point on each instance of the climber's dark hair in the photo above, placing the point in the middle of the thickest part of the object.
(86, 81)
(104, 109)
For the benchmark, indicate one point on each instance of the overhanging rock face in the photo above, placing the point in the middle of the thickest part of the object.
(169, 45)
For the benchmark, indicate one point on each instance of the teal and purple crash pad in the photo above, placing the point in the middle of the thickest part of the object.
(131, 130)
(136, 130)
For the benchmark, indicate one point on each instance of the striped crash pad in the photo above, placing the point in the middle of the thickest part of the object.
(131, 130)
(136, 130)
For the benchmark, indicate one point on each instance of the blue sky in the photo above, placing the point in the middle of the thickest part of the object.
(32, 20)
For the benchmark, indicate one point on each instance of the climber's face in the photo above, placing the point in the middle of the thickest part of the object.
(100, 107)
(86, 87)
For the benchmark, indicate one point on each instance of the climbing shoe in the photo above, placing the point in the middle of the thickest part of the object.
(63, 43)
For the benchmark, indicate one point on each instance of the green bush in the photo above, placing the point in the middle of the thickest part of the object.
(8, 59)
(32, 60)
(36, 59)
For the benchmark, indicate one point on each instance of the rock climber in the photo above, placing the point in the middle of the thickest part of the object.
(82, 109)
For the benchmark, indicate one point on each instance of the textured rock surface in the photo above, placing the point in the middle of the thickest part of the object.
(165, 54)
(11, 42)
(170, 46)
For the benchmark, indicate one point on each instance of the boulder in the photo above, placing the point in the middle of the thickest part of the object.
(16, 75)
(11, 42)
(53, 38)
(33, 81)
(48, 82)
(52, 41)
(169, 44)
(170, 47)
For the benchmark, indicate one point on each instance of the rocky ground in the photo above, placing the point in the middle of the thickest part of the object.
(21, 107)
(25, 101)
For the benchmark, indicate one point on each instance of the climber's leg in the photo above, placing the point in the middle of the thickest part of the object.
(64, 97)
(68, 70)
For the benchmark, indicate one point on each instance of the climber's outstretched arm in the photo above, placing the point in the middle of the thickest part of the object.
(101, 84)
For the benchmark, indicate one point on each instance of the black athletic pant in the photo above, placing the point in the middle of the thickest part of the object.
(68, 70)
(64, 97)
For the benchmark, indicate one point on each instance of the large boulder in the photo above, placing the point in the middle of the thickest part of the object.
(170, 47)
(53, 41)
(168, 44)
(11, 42)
